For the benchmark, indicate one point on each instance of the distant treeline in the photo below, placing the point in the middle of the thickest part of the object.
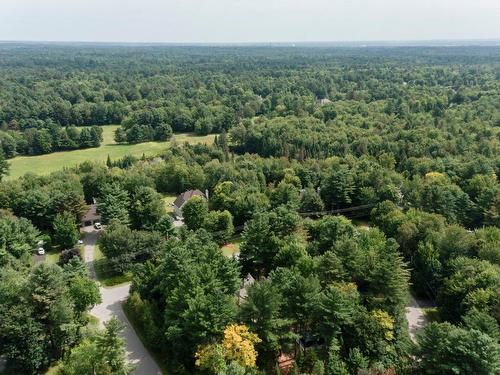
(153, 91)
(47, 137)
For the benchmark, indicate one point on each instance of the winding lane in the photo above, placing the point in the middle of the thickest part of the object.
(111, 305)
(415, 316)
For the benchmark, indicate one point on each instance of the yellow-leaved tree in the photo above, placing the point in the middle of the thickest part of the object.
(237, 346)
(386, 323)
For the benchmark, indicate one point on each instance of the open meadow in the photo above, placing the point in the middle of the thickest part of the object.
(45, 164)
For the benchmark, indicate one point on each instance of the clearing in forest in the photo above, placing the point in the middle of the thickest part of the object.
(45, 164)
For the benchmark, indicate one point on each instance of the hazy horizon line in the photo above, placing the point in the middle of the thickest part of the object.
(395, 42)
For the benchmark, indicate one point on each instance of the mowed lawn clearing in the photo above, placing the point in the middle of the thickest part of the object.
(169, 199)
(45, 164)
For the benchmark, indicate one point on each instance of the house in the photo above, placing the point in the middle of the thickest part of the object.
(155, 161)
(91, 216)
(181, 200)
(324, 101)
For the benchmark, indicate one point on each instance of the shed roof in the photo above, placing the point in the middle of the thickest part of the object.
(247, 281)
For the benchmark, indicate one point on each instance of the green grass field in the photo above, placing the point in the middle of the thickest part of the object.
(45, 164)
(52, 256)
(168, 199)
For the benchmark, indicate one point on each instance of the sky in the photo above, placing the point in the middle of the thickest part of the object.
(248, 21)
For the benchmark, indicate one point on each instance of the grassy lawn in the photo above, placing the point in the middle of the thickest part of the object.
(232, 247)
(105, 275)
(45, 164)
(92, 321)
(169, 199)
(52, 256)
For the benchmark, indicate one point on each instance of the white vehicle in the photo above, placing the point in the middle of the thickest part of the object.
(40, 251)
(80, 242)
(97, 225)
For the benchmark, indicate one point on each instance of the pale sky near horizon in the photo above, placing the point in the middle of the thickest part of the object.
(240, 21)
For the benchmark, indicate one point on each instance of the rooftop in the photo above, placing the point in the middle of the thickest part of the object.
(91, 214)
(187, 195)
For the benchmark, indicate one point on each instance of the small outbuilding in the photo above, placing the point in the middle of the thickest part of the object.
(181, 200)
(245, 283)
(323, 101)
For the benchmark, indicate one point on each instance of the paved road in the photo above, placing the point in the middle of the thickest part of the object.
(415, 316)
(111, 305)
(89, 243)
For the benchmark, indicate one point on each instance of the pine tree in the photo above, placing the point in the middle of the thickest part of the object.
(112, 347)
(335, 364)
(4, 166)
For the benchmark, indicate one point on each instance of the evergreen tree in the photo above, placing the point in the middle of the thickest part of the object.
(146, 208)
(100, 353)
(310, 201)
(109, 164)
(113, 203)
(338, 187)
(96, 136)
(262, 312)
(4, 166)
(335, 364)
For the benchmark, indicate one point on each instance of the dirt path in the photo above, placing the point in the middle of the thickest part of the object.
(415, 316)
(111, 305)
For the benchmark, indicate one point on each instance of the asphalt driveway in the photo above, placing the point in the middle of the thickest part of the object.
(111, 305)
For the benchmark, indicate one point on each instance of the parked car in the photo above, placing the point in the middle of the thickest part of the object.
(40, 251)
(80, 242)
(97, 225)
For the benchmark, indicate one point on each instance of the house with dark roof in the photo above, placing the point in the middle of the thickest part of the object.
(181, 200)
(91, 216)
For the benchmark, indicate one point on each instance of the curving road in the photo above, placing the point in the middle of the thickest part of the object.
(415, 316)
(111, 305)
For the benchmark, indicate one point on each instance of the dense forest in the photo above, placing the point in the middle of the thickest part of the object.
(153, 90)
(406, 139)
